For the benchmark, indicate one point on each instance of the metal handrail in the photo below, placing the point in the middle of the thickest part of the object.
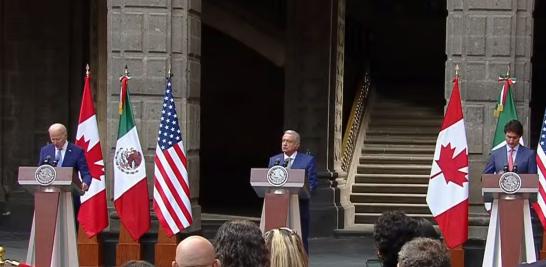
(355, 120)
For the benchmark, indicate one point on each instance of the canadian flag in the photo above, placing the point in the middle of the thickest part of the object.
(447, 195)
(93, 215)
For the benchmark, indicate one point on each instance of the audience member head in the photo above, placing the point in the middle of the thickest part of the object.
(285, 248)
(423, 252)
(195, 251)
(137, 263)
(425, 229)
(391, 231)
(240, 243)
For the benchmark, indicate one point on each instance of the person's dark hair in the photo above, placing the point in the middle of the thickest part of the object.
(423, 252)
(240, 243)
(391, 231)
(137, 263)
(425, 228)
(514, 126)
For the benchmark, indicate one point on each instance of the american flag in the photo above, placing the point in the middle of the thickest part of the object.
(540, 205)
(171, 187)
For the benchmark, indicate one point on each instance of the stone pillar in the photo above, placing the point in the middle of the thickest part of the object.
(485, 37)
(313, 93)
(151, 36)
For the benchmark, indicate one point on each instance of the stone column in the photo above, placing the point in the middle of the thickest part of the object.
(314, 93)
(151, 36)
(485, 37)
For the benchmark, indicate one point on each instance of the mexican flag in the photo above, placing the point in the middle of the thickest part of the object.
(505, 112)
(130, 183)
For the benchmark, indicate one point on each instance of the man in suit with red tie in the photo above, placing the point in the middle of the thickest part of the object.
(512, 157)
(291, 158)
(61, 153)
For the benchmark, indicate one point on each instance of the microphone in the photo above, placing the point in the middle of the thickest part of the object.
(505, 169)
(277, 162)
(46, 160)
(286, 162)
(515, 168)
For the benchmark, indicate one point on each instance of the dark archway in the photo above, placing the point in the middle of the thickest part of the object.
(241, 122)
(538, 93)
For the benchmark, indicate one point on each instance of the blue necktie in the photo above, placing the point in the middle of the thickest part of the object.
(59, 158)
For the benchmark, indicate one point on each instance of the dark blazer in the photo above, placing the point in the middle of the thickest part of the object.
(302, 161)
(73, 157)
(525, 160)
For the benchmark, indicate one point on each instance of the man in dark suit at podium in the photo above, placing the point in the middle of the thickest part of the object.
(290, 158)
(513, 156)
(61, 153)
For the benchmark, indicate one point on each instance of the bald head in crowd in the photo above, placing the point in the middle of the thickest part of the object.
(195, 251)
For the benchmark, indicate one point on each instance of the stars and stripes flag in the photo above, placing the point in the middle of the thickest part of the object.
(540, 204)
(93, 214)
(447, 195)
(171, 185)
(130, 183)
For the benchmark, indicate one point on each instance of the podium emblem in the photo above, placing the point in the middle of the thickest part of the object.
(45, 175)
(510, 182)
(277, 176)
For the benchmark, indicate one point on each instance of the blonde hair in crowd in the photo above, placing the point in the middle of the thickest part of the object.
(286, 248)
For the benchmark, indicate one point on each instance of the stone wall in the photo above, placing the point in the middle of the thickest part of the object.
(485, 37)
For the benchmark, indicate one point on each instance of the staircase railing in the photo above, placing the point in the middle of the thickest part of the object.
(355, 120)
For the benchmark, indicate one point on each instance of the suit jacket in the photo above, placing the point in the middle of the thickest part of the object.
(73, 157)
(302, 161)
(525, 161)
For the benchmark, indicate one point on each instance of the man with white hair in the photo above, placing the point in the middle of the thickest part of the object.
(290, 158)
(195, 251)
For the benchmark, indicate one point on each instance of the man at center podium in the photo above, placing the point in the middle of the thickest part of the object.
(61, 153)
(290, 158)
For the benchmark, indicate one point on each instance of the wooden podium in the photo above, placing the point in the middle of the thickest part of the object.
(53, 235)
(281, 189)
(510, 234)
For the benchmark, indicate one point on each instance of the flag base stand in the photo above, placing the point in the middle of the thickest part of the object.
(457, 256)
(165, 249)
(89, 250)
(127, 248)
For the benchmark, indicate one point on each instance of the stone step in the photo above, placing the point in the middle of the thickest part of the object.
(390, 188)
(370, 158)
(387, 198)
(411, 122)
(398, 149)
(404, 130)
(372, 217)
(400, 140)
(382, 207)
(409, 112)
(392, 178)
(394, 168)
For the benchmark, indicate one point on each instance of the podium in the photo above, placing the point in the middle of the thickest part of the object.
(281, 189)
(53, 235)
(510, 234)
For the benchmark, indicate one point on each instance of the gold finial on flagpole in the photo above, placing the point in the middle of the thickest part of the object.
(508, 72)
(87, 70)
(456, 70)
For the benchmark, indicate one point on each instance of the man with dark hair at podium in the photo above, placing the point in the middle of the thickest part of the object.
(291, 158)
(513, 156)
(61, 153)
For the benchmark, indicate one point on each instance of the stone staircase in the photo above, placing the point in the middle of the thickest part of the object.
(394, 164)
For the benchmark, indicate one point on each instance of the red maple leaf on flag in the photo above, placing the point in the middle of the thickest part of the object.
(451, 166)
(92, 156)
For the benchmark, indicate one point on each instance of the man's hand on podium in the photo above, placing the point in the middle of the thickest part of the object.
(85, 187)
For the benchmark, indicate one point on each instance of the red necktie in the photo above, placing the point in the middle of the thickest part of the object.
(511, 160)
